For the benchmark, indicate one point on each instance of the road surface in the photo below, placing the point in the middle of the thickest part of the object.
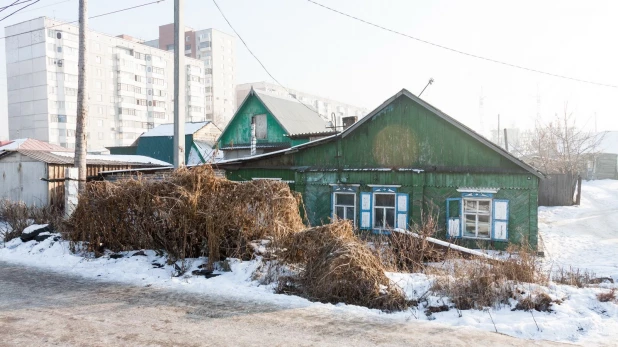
(41, 308)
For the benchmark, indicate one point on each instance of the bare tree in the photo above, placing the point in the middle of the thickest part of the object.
(82, 98)
(559, 146)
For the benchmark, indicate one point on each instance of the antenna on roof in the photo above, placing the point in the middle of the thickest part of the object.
(428, 83)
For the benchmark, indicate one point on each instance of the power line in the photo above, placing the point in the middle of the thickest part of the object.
(40, 7)
(97, 16)
(462, 52)
(30, 4)
(260, 62)
(15, 3)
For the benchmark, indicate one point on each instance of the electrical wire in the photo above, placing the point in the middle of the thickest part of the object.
(30, 4)
(462, 52)
(15, 3)
(40, 7)
(97, 16)
(259, 61)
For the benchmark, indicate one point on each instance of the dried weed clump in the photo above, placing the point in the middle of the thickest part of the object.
(190, 214)
(486, 282)
(336, 266)
(573, 277)
(609, 296)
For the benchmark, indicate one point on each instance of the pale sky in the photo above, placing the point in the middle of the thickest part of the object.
(311, 49)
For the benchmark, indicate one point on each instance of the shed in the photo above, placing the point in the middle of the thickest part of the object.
(405, 161)
(37, 177)
(158, 143)
(279, 123)
(605, 163)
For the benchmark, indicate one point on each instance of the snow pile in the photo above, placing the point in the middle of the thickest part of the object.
(579, 318)
(585, 236)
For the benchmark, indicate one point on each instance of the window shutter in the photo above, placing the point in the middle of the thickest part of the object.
(501, 220)
(365, 211)
(453, 217)
(402, 211)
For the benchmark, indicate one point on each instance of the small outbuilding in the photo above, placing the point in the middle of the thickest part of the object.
(35, 173)
(158, 143)
(403, 162)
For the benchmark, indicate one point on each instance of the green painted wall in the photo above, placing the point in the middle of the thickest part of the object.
(238, 130)
(162, 147)
(406, 135)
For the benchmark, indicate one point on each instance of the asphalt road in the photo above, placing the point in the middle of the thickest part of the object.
(40, 308)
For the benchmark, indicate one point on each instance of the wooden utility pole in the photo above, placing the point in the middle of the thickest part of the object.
(179, 84)
(82, 97)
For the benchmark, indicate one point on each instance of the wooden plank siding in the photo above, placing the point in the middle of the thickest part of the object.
(408, 145)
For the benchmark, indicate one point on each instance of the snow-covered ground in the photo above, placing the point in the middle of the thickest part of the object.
(581, 236)
(585, 236)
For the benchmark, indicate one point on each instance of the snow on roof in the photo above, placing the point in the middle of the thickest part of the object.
(31, 145)
(609, 143)
(135, 159)
(66, 158)
(168, 129)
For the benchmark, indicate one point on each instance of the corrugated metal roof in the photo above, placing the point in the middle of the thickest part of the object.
(66, 158)
(294, 117)
(312, 134)
(168, 129)
(32, 145)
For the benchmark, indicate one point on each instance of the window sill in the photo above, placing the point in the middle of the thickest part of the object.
(476, 238)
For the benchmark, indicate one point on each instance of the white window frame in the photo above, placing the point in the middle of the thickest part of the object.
(384, 208)
(476, 214)
(335, 205)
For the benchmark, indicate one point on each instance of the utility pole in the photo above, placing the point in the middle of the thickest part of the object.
(179, 84)
(82, 98)
(498, 130)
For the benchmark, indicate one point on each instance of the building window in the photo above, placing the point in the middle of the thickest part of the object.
(59, 35)
(258, 124)
(59, 48)
(170, 47)
(187, 47)
(187, 38)
(383, 210)
(98, 59)
(477, 218)
(344, 206)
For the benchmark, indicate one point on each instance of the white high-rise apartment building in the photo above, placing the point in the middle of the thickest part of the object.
(217, 50)
(327, 108)
(130, 85)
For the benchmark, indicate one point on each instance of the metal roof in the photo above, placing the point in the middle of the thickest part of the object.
(168, 129)
(66, 158)
(33, 145)
(294, 117)
(421, 102)
(312, 134)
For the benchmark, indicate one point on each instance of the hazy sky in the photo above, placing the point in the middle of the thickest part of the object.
(318, 51)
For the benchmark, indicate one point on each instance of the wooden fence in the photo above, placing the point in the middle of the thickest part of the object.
(559, 190)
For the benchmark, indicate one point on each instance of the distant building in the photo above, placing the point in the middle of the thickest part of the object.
(325, 107)
(130, 85)
(265, 123)
(158, 143)
(604, 165)
(217, 50)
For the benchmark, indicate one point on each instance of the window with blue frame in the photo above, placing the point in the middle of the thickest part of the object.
(344, 203)
(477, 215)
(383, 208)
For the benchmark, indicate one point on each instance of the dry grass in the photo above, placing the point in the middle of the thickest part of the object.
(573, 277)
(336, 266)
(17, 216)
(192, 213)
(482, 282)
(609, 296)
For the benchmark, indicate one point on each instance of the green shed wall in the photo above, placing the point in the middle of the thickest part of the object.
(162, 147)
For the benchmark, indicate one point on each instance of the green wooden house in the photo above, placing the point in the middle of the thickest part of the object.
(403, 160)
(158, 143)
(270, 124)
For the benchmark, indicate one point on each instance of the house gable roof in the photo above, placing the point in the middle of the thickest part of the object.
(292, 116)
(32, 145)
(376, 111)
